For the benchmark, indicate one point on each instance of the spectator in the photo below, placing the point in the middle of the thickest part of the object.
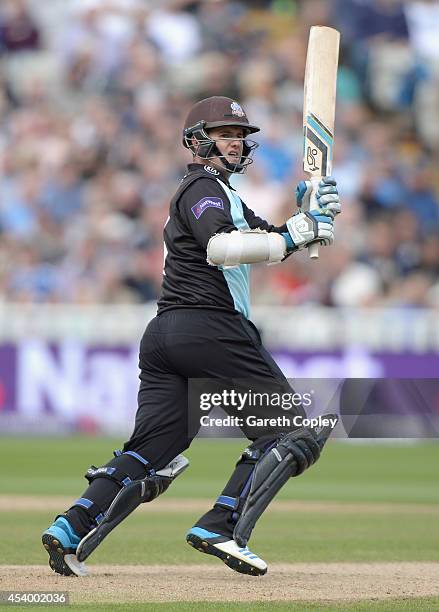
(18, 30)
(86, 177)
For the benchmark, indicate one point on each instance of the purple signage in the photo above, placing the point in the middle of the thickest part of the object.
(8, 376)
(96, 386)
(357, 363)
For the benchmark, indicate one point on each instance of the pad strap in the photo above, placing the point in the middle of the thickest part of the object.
(236, 504)
(112, 473)
(230, 503)
(127, 500)
(115, 474)
(143, 461)
(92, 509)
(137, 456)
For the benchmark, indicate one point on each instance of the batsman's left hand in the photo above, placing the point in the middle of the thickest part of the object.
(327, 196)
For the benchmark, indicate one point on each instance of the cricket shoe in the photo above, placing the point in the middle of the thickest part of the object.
(61, 541)
(240, 559)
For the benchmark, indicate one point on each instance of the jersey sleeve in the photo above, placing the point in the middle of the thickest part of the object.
(205, 209)
(257, 222)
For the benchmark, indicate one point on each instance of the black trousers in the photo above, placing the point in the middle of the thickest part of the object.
(179, 345)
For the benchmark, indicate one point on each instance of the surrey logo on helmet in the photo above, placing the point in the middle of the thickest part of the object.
(237, 109)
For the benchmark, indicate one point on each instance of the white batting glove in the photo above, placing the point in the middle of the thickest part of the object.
(327, 196)
(307, 227)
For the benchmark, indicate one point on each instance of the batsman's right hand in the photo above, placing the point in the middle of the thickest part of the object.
(307, 227)
(327, 196)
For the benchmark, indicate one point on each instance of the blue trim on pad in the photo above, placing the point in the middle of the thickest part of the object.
(137, 456)
(84, 502)
(226, 500)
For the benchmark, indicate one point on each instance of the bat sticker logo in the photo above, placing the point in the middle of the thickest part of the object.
(311, 159)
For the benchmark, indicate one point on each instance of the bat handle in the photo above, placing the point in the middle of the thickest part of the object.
(313, 249)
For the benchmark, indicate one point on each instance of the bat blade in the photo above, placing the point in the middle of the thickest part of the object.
(319, 108)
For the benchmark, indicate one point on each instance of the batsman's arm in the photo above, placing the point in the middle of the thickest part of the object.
(259, 245)
(270, 244)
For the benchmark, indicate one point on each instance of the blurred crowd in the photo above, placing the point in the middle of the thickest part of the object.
(93, 94)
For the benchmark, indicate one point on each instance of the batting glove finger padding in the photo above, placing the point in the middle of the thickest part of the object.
(303, 194)
(327, 196)
(328, 180)
(329, 205)
(327, 190)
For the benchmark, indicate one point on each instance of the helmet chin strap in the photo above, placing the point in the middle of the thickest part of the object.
(233, 167)
(238, 167)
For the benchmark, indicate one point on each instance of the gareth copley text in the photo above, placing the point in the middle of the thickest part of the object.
(279, 421)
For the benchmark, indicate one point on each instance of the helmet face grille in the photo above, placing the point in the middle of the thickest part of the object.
(214, 112)
(206, 148)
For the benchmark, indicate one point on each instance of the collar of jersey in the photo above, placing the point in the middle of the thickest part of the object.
(192, 167)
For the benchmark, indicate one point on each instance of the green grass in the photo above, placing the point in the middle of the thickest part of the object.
(158, 538)
(351, 473)
(346, 472)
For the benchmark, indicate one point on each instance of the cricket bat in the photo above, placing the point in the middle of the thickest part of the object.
(319, 109)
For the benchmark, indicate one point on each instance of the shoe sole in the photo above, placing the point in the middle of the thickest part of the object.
(56, 555)
(235, 564)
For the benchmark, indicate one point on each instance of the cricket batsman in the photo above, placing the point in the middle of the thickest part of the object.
(202, 330)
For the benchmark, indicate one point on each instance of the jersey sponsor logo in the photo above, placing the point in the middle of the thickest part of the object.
(206, 203)
(211, 170)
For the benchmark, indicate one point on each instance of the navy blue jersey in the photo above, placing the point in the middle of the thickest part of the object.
(204, 205)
